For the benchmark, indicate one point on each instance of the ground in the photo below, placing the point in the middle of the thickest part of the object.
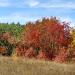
(22, 66)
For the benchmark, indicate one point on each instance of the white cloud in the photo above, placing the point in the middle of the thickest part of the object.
(17, 17)
(57, 5)
(4, 3)
(29, 3)
(38, 4)
(32, 3)
(48, 4)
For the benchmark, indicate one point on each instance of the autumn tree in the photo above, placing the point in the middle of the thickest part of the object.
(7, 43)
(49, 34)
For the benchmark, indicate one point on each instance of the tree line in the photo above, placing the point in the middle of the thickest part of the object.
(48, 39)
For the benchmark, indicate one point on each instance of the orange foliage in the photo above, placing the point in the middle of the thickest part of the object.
(8, 36)
(30, 53)
(21, 50)
(43, 54)
(48, 35)
(3, 50)
(62, 56)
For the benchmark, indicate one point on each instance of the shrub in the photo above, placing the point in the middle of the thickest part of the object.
(3, 50)
(62, 55)
(43, 54)
(30, 53)
(21, 49)
(4, 42)
(47, 34)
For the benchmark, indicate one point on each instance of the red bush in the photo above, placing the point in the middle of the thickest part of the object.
(43, 54)
(21, 50)
(47, 36)
(62, 56)
(3, 49)
(30, 53)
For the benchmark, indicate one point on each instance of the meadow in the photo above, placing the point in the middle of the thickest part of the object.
(23, 66)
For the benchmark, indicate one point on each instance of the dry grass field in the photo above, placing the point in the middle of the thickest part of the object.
(20, 66)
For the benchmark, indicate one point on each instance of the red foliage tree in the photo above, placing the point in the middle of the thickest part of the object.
(30, 53)
(21, 49)
(7, 42)
(31, 35)
(62, 56)
(43, 54)
(48, 35)
(3, 50)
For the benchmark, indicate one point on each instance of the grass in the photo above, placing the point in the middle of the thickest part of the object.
(20, 66)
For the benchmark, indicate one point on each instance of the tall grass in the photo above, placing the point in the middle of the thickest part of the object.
(21, 66)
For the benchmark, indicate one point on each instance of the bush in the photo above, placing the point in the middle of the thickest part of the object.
(21, 50)
(48, 34)
(43, 54)
(4, 42)
(62, 56)
(30, 53)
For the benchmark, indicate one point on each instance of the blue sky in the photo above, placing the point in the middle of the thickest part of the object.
(30, 10)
